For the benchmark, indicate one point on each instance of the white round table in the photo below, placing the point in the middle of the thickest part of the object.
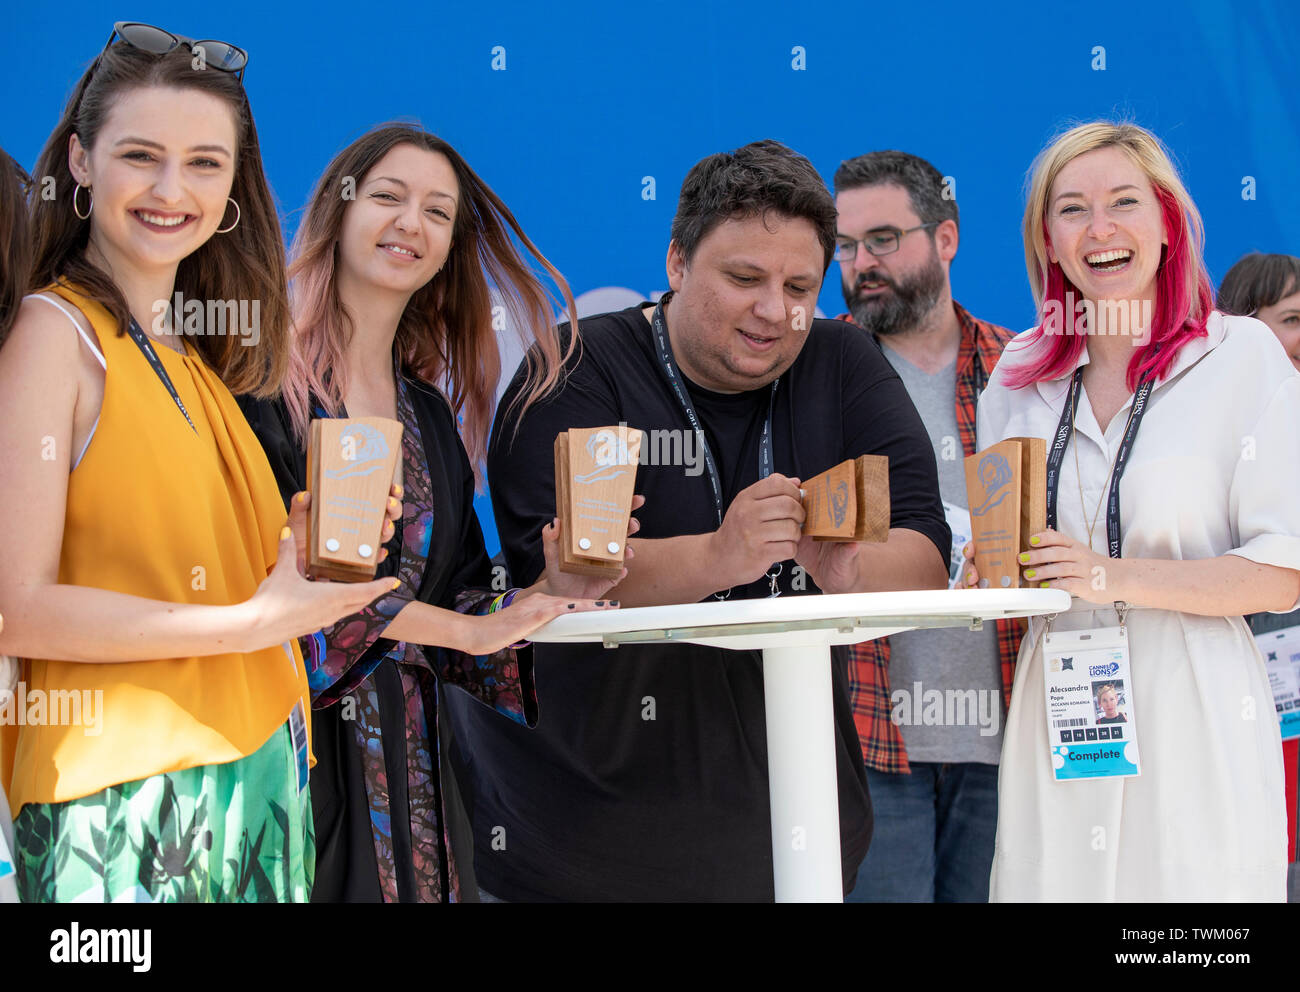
(795, 634)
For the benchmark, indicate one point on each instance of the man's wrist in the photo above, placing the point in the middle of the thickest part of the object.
(716, 563)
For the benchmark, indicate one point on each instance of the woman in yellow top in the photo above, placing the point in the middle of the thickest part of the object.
(158, 749)
(15, 267)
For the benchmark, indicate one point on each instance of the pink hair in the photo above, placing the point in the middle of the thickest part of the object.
(1178, 316)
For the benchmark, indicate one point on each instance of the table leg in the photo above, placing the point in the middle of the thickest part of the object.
(802, 774)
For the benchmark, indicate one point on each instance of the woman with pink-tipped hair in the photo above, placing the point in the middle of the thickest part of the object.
(391, 276)
(1194, 413)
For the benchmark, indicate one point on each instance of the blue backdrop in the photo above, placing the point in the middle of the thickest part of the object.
(587, 100)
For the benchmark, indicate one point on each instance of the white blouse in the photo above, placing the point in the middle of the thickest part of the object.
(1214, 470)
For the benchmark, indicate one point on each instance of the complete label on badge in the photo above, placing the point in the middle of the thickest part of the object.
(1091, 723)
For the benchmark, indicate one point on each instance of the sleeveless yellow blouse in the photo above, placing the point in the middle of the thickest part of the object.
(156, 510)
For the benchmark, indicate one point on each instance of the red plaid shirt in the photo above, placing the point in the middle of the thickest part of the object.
(882, 742)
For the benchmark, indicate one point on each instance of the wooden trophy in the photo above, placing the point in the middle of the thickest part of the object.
(1006, 490)
(849, 502)
(350, 468)
(595, 472)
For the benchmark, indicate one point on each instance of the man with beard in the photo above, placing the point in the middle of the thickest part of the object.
(932, 767)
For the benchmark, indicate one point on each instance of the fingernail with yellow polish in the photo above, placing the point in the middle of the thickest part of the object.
(1035, 540)
(1024, 557)
(284, 534)
(1030, 573)
(1043, 585)
(396, 583)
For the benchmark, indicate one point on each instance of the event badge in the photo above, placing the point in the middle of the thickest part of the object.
(6, 859)
(1090, 712)
(1281, 650)
(958, 518)
(298, 730)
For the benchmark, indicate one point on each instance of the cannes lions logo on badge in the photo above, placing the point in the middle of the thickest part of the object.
(362, 449)
(995, 475)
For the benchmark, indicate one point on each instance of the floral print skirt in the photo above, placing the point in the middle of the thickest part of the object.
(236, 832)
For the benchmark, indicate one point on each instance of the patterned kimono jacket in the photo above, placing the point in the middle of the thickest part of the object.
(390, 825)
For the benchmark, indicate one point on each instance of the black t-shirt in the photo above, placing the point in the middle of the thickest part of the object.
(646, 775)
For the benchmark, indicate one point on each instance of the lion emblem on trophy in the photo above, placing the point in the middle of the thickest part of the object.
(610, 454)
(995, 476)
(840, 503)
(362, 450)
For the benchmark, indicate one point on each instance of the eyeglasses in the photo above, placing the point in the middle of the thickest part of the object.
(883, 241)
(214, 54)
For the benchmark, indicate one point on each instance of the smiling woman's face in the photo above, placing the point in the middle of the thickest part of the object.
(160, 174)
(1104, 226)
(397, 233)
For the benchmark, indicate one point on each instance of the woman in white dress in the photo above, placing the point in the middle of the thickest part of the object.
(1208, 529)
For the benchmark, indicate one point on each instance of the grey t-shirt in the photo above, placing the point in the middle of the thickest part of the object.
(945, 684)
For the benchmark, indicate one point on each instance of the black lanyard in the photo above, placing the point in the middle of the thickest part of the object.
(664, 350)
(1062, 439)
(155, 363)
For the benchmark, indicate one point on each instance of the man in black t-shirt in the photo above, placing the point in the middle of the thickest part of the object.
(646, 775)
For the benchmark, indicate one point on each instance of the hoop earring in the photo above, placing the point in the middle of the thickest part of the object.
(89, 207)
(227, 230)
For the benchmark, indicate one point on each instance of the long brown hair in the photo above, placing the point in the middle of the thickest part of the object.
(245, 264)
(446, 335)
(15, 245)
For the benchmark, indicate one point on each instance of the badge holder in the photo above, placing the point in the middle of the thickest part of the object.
(1281, 650)
(1091, 715)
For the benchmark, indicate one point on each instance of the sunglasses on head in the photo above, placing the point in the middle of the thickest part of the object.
(215, 54)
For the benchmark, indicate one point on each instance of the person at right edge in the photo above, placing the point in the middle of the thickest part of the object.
(1173, 464)
(646, 776)
(934, 787)
(1267, 287)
